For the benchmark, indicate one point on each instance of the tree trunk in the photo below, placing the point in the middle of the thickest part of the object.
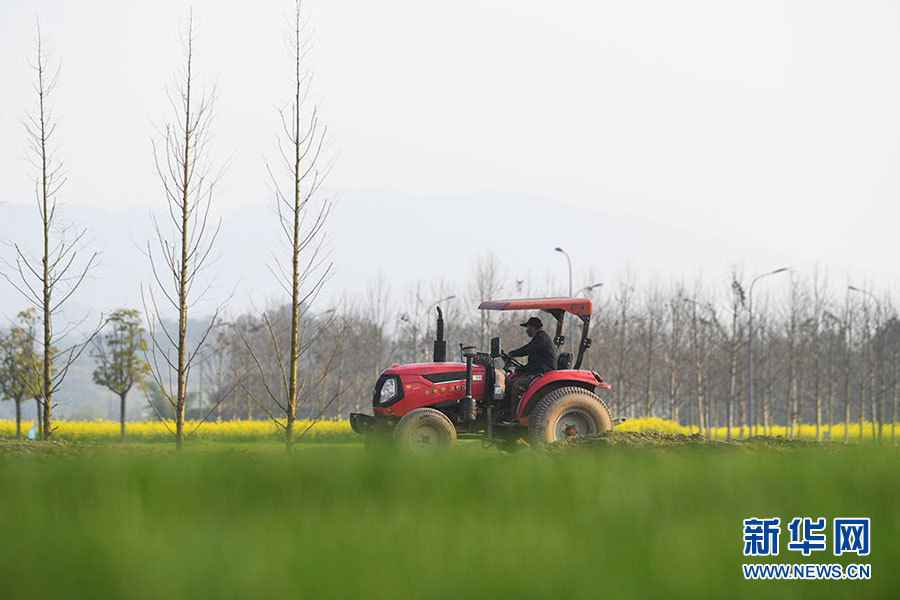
(732, 389)
(46, 305)
(673, 385)
(181, 393)
(848, 338)
(18, 418)
(847, 388)
(293, 367)
(875, 401)
(894, 414)
(620, 389)
(701, 412)
(847, 415)
(38, 417)
(791, 385)
(183, 271)
(648, 383)
(122, 416)
(818, 401)
(862, 408)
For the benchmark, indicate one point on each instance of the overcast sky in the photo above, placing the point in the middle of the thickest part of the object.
(671, 137)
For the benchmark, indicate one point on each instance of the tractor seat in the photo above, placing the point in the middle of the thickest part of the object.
(564, 361)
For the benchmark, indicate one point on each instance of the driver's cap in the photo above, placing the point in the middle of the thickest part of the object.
(533, 321)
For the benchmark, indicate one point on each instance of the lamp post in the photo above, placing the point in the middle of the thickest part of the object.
(750, 413)
(571, 295)
(569, 261)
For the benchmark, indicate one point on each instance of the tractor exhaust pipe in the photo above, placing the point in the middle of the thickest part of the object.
(440, 344)
(467, 409)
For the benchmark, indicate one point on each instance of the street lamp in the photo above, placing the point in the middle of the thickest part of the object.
(569, 261)
(750, 413)
(434, 304)
(590, 288)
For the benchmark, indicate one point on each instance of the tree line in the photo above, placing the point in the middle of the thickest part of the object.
(822, 353)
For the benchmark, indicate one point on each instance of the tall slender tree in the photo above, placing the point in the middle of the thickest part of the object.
(734, 345)
(181, 159)
(48, 282)
(302, 214)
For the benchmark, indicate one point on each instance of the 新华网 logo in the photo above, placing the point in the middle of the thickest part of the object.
(807, 536)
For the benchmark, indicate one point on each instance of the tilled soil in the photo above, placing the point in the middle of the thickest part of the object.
(658, 439)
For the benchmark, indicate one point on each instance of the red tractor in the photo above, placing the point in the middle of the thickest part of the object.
(432, 404)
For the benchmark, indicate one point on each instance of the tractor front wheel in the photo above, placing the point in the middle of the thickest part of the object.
(424, 430)
(567, 413)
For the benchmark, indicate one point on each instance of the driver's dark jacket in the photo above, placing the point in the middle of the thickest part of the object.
(541, 354)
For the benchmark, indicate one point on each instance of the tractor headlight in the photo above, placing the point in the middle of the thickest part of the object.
(388, 391)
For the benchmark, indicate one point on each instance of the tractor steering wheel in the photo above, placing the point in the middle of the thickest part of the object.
(510, 361)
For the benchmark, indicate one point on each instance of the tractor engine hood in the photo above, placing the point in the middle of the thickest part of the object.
(426, 384)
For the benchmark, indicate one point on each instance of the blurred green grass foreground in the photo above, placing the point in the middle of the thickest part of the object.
(340, 522)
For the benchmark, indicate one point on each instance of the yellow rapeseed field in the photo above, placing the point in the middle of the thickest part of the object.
(804, 431)
(156, 431)
(339, 431)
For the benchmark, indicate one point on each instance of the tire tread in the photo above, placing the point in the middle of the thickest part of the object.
(537, 420)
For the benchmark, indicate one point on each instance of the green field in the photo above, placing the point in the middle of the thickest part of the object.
(334, 521)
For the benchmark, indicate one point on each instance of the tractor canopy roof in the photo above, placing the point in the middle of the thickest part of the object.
(576, 306)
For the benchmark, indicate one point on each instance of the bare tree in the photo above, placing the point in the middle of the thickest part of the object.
(652, 323)
(623, 345)
(734, 344)
(699, 351)
(487, 285)
(181, 163)
(818, 348)
(847, 339)
(49, 282)
(302, 216)
(412, 322)
(674, 350)
(792, 333)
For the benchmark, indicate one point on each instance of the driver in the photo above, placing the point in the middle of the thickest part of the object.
(541, 355)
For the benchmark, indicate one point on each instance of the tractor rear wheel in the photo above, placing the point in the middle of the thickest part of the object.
(425, 430)
(567, 413)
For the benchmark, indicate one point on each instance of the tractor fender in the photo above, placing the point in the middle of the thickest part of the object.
(552, 380)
